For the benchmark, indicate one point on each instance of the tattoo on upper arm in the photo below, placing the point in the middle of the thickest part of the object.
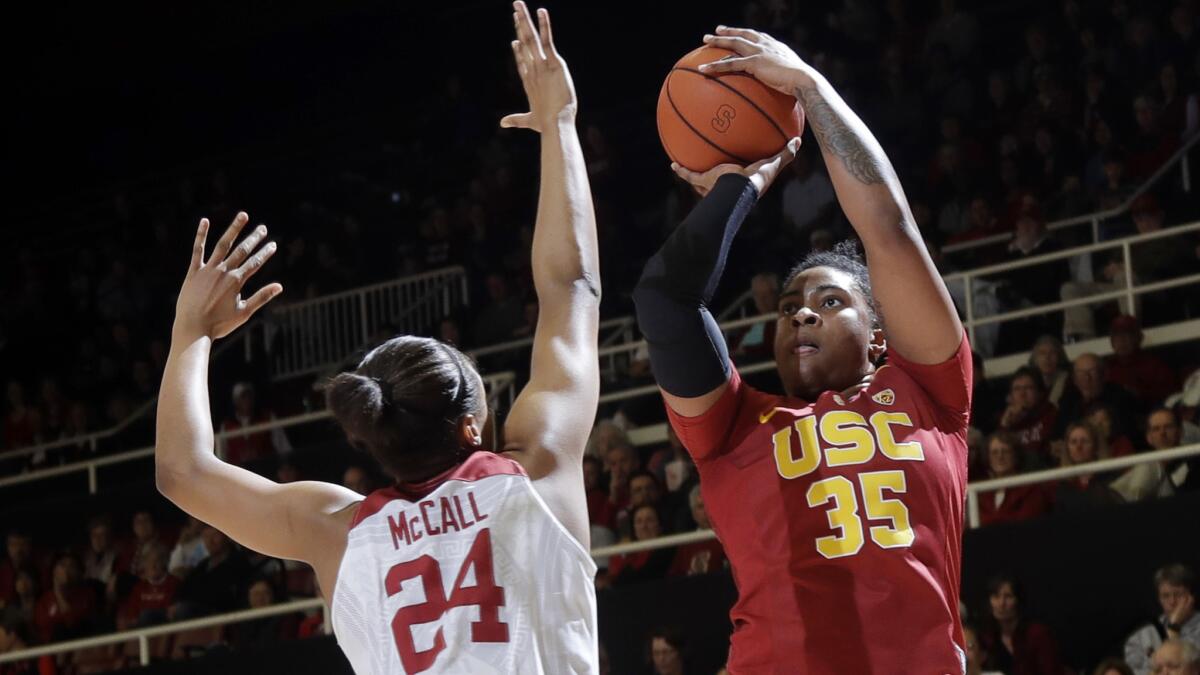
(838, 139)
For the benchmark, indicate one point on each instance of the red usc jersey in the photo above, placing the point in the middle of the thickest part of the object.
(842, 520)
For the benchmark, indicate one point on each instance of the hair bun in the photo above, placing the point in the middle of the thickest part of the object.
(357, 402)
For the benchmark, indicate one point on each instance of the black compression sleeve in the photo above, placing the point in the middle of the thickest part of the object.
(687, 351)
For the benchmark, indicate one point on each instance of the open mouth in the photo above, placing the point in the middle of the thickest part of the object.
(805, 348)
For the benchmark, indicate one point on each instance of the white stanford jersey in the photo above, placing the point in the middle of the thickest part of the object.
(468, 573)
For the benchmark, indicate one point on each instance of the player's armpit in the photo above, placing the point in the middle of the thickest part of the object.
(706, 433)
(949, 383)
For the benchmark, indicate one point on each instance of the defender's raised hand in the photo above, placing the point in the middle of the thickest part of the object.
(761, 173)
(767, 59)
(210, 302)
(544, 74)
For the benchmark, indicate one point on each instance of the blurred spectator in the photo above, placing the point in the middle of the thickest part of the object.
(1163, 432)
(501, 317)
(101, 556)
(1088, 491)
(672, 465)
(18, 558)
(1160, 258)
(808, 198)
(53, 408)
(24, 602)
(69, 608)
(699, 557)
(1017, 645)
(1101, 417)
(758, 341)
(644, 490)
(977, 656)
(145, 537)
(21, 421)
(1089, 387)
(643, 565)
(217, 583)
(599, 510)
(153, 593)
(1176, 588)
(1013, 504)
(986, 397)
(1031, 286)
(189, 551)
(261, 594)
(621, 463)
(605, 435)
(13, 638)
(1050, 361)
(1176, 657)
(1030, 416)
(243, 448)
(1152, 143)
(667, 651)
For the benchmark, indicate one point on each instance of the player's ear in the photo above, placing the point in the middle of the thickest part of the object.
(877, 346)
(470, 432)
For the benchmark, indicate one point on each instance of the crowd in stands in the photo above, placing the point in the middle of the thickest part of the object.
(992, 131)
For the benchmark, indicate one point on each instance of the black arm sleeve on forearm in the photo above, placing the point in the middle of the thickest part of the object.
(687, 351)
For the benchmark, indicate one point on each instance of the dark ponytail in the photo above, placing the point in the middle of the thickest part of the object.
(404, 403)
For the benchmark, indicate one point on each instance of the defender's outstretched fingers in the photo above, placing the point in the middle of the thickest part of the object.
(260, 299)
(743, 64)
(198, 246)
(231, 234)
(517, 121)
(245, 248)
(547, 37)
(736, 44)
(526, 32)
(255, 262)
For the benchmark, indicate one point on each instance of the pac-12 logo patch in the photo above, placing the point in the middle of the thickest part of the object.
(885, 397)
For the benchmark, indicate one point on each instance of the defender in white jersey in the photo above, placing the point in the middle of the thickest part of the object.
(473, 561)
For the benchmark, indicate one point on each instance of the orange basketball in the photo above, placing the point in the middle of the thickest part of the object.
(705, 120)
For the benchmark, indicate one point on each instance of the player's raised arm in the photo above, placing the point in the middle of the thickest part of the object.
(922, 324)
(548, 425)
(296, 520)
(688, 353)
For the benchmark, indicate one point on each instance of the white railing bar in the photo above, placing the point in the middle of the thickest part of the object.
(1097, 466)
(528, 342)
(656, 543)
(1090, 299)
(1180, 156)
(653, 388)
(734, 306)
(165, 629)
(448, 272)
(1172, 231)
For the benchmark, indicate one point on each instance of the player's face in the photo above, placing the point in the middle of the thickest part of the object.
(824, 340)
(1004, 603)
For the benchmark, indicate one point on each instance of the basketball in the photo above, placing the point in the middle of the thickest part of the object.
(705, 120)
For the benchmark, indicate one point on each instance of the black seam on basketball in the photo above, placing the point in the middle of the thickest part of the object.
(696, 131)
(744, 97)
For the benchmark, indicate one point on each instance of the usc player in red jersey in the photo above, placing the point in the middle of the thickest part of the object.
(839, 504)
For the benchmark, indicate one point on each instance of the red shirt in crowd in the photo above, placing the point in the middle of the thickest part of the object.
(700, 557)
(1146, 375)
(50, 618)
(600, 510)
(148, 595)
(842, 519)
(241, 449)
(1017, 503)
(1035, 429)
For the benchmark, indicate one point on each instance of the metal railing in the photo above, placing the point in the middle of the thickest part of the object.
(501, 391)
(1180, 158)
(143, 635)
(313, 336)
